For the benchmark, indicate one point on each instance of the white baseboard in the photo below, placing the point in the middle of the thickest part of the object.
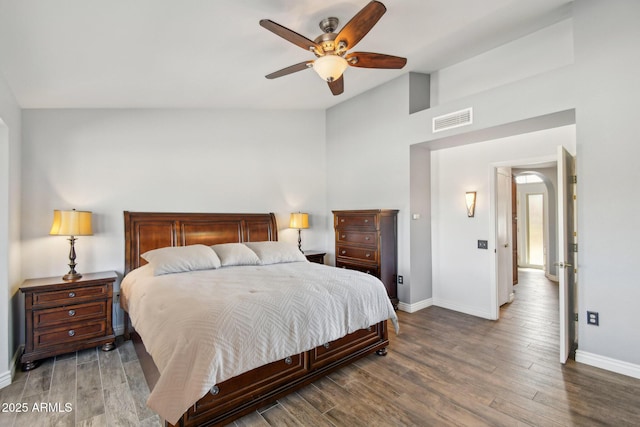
(462, 309)
(412, 308)
(7, 377)
(613, 365)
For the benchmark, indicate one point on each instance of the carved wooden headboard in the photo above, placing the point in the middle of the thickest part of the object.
(144, 231)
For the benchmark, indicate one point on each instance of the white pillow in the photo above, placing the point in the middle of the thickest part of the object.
(235, 254)
(276, 252)
(176, 259)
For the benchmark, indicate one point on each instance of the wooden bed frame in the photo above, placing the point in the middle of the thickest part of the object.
(247, 392)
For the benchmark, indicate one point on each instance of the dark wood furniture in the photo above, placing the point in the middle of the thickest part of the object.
(64, 316)
(315, 256)
(247, 392)
(367, 240)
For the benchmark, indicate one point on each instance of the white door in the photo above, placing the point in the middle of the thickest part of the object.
(566, 254)
(503, 239)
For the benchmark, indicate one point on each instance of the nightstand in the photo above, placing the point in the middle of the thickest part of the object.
(64, 316)
(315, 256)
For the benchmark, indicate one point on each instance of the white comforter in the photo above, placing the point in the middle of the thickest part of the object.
(203, 327)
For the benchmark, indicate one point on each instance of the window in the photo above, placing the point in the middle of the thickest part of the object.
(528, 179)
(535, 229)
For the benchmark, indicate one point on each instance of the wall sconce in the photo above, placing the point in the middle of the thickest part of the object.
(71, 223)
(470, 198)
(299, 220)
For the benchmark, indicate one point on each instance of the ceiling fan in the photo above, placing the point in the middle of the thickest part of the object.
(331, 48)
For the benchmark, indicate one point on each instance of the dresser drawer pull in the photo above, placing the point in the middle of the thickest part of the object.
(71, 333)
(368, 271)
(368, 255)
(72, 313)
(288, 360)
(367, 238)
(366, 221)
(214, 390)
(342, 220)
(343, 252)
(344, 235)
(325, 345)
(72, 294)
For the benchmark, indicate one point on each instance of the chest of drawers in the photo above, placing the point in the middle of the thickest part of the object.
(366, 240)
(65, 316)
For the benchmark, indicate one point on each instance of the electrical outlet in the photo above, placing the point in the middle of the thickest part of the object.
(400, 280)
(593, 318)
(483, 244)
(116, 298)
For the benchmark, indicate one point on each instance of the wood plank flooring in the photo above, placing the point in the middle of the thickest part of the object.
(444, 369)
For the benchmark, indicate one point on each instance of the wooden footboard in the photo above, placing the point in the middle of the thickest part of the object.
(247, 392)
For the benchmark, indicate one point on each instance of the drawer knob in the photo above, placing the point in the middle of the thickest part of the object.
(71, 333)
(72, 294)
(366, 221)
(367, 238)
(288, 360)
(367, 254)
(368, 271)
(72, 313)
(343, 252)
(325, 345)
(214, 390)
(344, 235)
(342, 220)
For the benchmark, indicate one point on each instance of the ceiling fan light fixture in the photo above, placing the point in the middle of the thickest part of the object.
(330, 67)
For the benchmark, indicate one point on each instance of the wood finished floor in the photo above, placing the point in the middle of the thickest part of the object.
(444, 369)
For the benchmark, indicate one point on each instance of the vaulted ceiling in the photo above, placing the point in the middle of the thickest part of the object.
(213, 53)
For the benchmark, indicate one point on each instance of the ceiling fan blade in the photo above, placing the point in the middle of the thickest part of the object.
(290, 69)
(289, 35)
(337, 86)
(374, 60)
(360, 24)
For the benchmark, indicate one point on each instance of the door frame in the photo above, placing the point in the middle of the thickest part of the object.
(493, 212)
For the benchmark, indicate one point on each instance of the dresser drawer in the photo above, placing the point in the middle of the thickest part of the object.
(369, 269)
(362, 221)
(60, 315)
(333, 350)
(357, 253)
(71, 332)
(357, 237)
(69, 296)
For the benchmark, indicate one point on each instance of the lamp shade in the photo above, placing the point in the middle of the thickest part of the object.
(330, 67)
(71, 223)
(299, 220)
(470, 198)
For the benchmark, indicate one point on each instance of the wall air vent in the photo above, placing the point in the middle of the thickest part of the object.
(453, 120)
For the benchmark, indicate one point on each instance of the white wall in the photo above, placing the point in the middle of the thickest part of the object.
(109, 161)
(461, 272)
(9, 227)
(608, 66)
(544, 50)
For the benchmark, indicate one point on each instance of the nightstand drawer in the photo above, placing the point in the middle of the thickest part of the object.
(59, 315)
(359, 237)
(71, 332)
(357, 253)
(69, 296)
(364, 220)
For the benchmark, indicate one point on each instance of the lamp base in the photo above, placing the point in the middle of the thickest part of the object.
(71, 276)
